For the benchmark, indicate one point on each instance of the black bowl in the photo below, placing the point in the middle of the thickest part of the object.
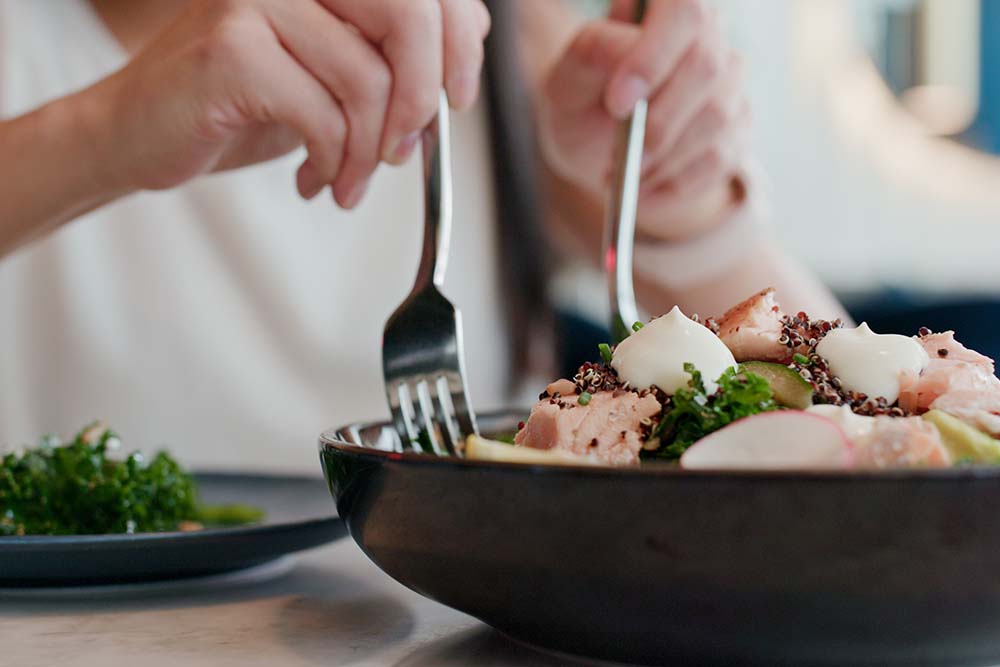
(655, 564)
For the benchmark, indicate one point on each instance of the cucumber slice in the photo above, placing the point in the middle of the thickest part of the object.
(963, 441)
(790, 390)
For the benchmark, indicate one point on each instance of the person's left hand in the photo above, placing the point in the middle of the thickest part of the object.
(697, 122)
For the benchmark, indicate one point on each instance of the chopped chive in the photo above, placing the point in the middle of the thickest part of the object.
(605, 352)
(801, 359)
(636, 326)
(584, 399)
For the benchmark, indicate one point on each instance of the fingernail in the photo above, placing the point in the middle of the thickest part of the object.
(355, 194)
(462, 88)
(404, 148)
(308, 181)
(623, 97)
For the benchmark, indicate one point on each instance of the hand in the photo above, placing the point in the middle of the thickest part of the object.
(697, 122)
(235, 82)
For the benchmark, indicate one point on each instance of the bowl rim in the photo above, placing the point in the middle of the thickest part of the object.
(328, 441)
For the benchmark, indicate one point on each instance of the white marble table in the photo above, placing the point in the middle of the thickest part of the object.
(332, 608)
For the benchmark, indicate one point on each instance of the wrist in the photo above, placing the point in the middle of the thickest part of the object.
(93, 132)
(56, 166)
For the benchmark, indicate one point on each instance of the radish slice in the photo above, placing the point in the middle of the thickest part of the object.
(783, 440)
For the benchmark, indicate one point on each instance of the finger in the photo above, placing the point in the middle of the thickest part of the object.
(687, 90)
(354, 73)
(267, 144)
(689, 207)
(465, 24)
(578, 79)
(287, 94)
(717, 122)
(719, 161)
(409, 34)
(622, 10)
(668, 30)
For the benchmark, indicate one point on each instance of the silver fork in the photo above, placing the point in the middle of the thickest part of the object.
(619, 224)
(422, 353)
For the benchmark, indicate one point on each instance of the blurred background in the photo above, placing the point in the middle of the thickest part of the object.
(878, 125)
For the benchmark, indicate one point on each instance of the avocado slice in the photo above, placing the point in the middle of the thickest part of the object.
(964, 442)
(790, 389)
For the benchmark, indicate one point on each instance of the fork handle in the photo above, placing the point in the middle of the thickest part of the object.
(436, 150)
(619, 225)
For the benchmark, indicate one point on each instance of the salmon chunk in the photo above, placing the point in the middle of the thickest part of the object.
(751, 330)
(607, 428)
(944, 349)
(978, 409)
(895, 442)
(952, 368)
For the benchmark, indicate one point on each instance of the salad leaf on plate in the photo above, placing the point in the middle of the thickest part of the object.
(82, 488)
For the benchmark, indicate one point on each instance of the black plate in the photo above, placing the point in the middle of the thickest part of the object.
(299, 516)
(654, 565)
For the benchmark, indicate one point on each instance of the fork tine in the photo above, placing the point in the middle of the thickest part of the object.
(457, 391)
(425, 413)
(399, 400)
(446, 415)
(460, 404)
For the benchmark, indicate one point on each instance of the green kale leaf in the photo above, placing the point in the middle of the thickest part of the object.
(78, 488)
(693, 413)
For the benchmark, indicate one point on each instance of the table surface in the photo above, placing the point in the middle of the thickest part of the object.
(331, 607)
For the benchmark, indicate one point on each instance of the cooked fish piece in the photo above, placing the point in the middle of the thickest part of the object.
(752, 329)
(608, 427)
(895, 442)
(952, 368)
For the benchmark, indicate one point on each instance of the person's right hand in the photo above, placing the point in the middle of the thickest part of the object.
(235, 82)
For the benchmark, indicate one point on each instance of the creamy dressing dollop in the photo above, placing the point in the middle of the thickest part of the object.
(872, 363)
(656, 354)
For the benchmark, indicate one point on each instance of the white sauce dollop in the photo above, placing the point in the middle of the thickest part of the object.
(872, 363)
(656, 354)
(853, 425)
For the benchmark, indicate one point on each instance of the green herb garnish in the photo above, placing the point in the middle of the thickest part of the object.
(79, 488)
(605, 351)
(692, 413)
(801, 359)
(584, 399)
(228, 515)
(423, 442)
(636, 326)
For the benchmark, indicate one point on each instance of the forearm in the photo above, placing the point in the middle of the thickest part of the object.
(54, 166)
(761, 265)
(578, 225)
(576, 215)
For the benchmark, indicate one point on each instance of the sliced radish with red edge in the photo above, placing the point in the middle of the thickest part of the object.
(781, 440)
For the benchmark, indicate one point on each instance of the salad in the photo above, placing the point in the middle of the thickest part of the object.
(761, 389)
(81, 487)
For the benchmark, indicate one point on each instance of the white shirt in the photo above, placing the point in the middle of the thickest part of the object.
(227, 320)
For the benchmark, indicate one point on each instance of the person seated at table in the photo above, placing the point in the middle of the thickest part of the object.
(199, 245)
